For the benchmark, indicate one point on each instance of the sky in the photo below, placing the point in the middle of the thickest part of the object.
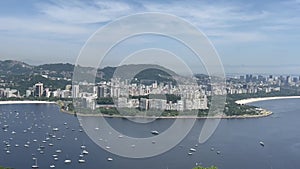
(249, 36)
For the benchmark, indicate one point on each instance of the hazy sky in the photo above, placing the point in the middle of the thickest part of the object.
(250, 36)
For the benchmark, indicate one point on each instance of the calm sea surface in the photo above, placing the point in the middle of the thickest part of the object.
(236, 139)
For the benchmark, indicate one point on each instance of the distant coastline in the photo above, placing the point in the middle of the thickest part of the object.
(252, 100)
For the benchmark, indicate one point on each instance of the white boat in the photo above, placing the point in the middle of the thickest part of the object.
(81, 161)
(68, 161)
(58, 151)
(262, 143)
(190, 153)
(55, 129)
(52, 166)
(85, 152)
(83, 147)
(154, 132)
(193, 150)
(35, 165)
(110, 159)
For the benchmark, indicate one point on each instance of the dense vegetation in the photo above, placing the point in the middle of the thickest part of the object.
(234, 109)
(5, 168)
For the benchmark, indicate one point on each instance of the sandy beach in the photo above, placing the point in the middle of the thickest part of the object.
(252, 100)
(26, 102)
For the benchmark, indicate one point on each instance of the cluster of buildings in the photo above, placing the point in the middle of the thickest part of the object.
(141, 96)
(251, 84)
(8, 93)
(38, 90)
(152, 96)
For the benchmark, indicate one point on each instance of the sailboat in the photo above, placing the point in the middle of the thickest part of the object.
(35, 165)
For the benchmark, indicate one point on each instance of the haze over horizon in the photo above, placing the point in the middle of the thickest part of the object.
(250, 36)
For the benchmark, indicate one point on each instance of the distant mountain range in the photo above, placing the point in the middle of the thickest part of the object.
(20, 75)
(65, 70)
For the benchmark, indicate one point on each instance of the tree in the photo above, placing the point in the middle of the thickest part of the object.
(200, 167)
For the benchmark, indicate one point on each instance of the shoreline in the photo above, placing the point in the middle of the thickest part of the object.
(264, 113)
(252, 100)
(26, 102)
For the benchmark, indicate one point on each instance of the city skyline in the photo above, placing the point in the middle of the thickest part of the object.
(250, 37)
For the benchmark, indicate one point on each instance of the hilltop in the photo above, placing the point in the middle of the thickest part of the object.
(20, 75)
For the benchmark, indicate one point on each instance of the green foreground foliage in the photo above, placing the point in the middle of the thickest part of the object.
(5, 168)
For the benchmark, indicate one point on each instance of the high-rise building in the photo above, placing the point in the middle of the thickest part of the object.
(39, 89)
(101, 91)
(75, 91)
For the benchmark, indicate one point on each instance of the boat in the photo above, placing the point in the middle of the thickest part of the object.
(110, 159)
(35, 165)
(55, 129)
(154, 132)
(58, 151)
(192, 150)
(81, 161)
(52, 166)
(262, 143)
(68, 161)
(218, 152)
(84, 152)
(190, 153)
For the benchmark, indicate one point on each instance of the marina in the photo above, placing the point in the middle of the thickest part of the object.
(40, 146)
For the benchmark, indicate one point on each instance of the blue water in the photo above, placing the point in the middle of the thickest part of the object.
(236, 139)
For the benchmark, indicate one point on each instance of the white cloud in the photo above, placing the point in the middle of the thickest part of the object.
(35, 25)
(84, 11)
